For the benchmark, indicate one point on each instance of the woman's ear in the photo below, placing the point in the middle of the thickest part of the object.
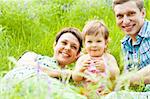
(54, 44)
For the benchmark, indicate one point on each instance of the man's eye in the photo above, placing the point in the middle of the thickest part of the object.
(119, 16)
(131, 13)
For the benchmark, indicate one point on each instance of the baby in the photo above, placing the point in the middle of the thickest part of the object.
(94, 65)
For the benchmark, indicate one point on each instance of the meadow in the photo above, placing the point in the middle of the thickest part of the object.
(31, 25)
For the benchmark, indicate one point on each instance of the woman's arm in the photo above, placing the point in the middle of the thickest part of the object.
(29, 58)
(51, 73)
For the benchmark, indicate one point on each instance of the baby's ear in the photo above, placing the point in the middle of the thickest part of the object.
(106, 44)
(107, 41)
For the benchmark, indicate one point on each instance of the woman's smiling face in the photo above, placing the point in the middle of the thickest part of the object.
(66, 49)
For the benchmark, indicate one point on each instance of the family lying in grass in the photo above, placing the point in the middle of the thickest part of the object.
(95, 64)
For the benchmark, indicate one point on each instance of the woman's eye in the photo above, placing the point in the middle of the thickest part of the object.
(64, 43)
(74, 47)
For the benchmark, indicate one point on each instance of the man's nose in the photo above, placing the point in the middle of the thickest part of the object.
(126, 20)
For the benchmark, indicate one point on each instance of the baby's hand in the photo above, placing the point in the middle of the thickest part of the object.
(84, 65)
(99, 64)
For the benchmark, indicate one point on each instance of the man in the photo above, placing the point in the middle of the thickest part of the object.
(130, 17)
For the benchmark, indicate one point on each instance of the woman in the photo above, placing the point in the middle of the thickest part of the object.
(67, 49)
(32, 66)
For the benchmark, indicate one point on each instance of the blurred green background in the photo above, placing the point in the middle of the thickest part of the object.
(31, 25)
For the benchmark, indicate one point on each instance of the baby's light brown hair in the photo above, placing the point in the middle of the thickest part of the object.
(95, 27)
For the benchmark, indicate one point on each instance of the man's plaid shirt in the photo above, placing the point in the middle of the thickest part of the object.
(137, 54)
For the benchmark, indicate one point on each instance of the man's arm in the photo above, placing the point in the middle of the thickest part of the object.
(141, 75)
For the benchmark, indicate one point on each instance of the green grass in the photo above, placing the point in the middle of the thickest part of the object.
(32, 25)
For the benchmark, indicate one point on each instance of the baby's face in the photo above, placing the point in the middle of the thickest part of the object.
(95, 45)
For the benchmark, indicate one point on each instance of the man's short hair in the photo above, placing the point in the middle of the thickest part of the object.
(139, 3)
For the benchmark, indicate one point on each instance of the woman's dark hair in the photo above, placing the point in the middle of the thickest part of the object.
(73, 31)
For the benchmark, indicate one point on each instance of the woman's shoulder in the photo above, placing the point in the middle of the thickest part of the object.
(29, 54)
(27, 58)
